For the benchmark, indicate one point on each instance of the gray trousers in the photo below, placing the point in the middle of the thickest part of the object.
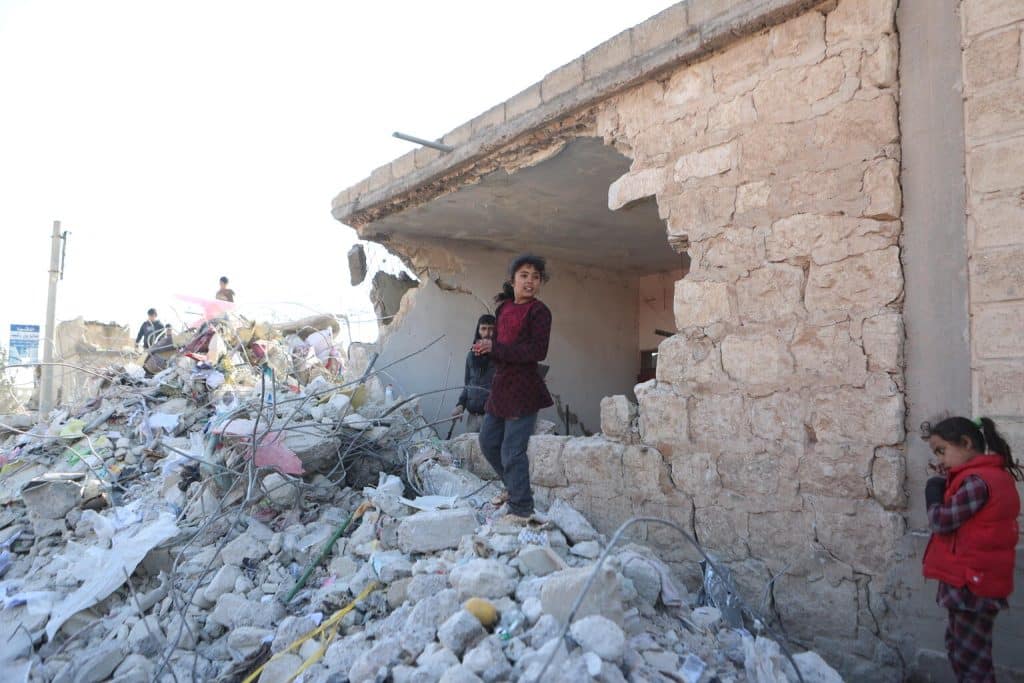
(504, 444)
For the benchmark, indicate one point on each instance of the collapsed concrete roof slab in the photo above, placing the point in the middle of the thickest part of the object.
(684, 32)
(561, 203)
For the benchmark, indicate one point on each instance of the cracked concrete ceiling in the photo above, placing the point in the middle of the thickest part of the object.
(558, 208)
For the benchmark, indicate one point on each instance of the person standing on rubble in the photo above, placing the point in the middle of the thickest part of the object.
(972, 513)
(521, 335)
(478, 376)
(225, 294)
(149, 330)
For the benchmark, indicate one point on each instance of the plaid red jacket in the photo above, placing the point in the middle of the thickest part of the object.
(518, 389)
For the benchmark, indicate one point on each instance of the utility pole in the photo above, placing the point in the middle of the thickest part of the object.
(46, 388)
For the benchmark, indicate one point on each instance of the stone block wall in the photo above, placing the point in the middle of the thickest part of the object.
(994, 135)
(778, 410)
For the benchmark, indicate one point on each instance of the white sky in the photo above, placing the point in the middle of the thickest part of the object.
(180, 141)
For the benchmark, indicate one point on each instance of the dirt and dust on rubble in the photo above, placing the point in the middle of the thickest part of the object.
(248, 503)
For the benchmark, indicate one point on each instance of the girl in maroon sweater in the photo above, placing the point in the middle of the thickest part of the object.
(518, 392)
(972, 512)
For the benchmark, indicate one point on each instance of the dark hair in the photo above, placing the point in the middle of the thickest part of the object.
(151, 311)
(224, 279)
(507, 292)
(982, 434)
(485, 319)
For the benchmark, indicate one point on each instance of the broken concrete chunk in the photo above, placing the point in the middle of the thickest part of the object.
(561, 589)
(223, 582)
(574, 525)
(601, 636)
(540, 560)
(435, 530)
(587, 549)
(247, 639)
(460, 631)
(233, 611)
(383, 655)
(460, 674)
(356, 264)
(244, 547)
(483, 579)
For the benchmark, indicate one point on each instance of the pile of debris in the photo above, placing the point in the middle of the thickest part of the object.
(253, 510)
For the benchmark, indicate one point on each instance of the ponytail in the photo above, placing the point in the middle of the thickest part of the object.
(507, 293)
(981, 433)
(997, 444)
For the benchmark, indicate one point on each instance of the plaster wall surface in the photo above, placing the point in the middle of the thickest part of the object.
(655, 295)
(593, 350)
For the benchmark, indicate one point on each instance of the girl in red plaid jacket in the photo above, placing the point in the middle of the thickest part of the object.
(972, 512)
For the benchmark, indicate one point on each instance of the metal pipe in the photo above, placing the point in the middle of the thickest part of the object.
(440, 146)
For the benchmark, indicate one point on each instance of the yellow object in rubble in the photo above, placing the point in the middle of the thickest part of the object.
(483, 610)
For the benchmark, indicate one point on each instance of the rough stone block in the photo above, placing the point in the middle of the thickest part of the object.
(523, 102)
(717, 420)
(539, 560)
(827, 239)
(700, 212)
(880, 67)
(483, 578)
(574, 525)
(882, 187)
(786, 96)
(424, 155)
(833, 470)
(998, 386)
(800, 40)
(634, 186)
(849, 415)
(752, 196)
(562, 588)
(860, 20)
(495, 116)
(821, 192)
(997, 112)
(997, 275)
(991, 58)
(545, 454)
(689, 358)
(818, 607)
(856, 130)
(780, 417)
(998, 221)
(774, 292)
(380, 177)
(692, 84)
(733, 114)
(617, 415)
(888, 473)
(999, 330)
(696, 474)
(756, 359)
(737, 69)
(667, 25)
(615, 51)
(996, 166)
(756, 476)
(663, 421)
(867, 281)
(829, 355)
(600, 636)
(864, 538)
(723, 532)
(562, 80)
(404, 165)
(707, 162)
(435, 530)
(592, 460)
(700, 303)
(882, 336)
(983, 15)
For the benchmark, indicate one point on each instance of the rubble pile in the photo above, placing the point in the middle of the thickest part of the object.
(245, 508)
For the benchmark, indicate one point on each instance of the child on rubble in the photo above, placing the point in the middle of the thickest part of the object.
(972, 512)
(518, 392)
(478, 376)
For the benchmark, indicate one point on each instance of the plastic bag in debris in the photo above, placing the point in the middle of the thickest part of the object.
(717, 590)
(103, 570)
(693, 668)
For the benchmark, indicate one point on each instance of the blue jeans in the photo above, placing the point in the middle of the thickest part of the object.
(504, 444)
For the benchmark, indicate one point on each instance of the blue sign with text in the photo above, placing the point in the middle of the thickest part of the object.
(24, 344)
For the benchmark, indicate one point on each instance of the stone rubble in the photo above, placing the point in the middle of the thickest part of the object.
(445, 593)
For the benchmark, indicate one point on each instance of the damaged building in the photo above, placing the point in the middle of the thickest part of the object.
(781, 234)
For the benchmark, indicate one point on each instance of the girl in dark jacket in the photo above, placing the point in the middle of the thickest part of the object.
(518, 392)
(477, 383)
